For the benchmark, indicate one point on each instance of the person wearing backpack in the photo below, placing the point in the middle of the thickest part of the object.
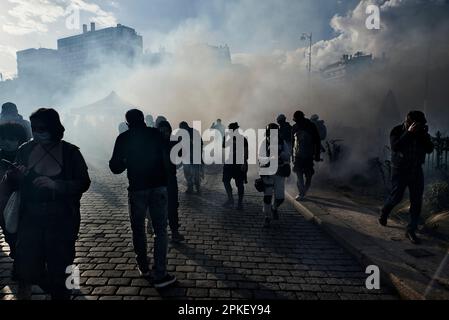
(306, 149)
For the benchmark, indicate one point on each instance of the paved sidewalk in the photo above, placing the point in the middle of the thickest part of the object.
(227, 254)
(416, 272)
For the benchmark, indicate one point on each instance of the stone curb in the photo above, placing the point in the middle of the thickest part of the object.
(409, 283)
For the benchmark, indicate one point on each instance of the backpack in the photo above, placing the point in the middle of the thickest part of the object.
(303, 145)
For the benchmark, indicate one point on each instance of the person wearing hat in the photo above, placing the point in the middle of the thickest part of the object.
(410, 143)
(10, 114)
(236, 169)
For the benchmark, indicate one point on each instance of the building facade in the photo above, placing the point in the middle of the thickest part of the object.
(38, 64)
(347, 67)
(82, 53)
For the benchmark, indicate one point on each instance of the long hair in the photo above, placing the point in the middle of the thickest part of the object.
(50, 117)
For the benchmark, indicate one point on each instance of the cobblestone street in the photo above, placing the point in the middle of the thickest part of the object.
(226, 255)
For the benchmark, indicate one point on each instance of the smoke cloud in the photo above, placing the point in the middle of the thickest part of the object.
(410, 49)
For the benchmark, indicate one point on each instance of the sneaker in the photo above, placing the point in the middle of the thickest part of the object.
(411, 235)
(299, 198)
(165, 281)
(383, 220)
(266, 223)
(177, 237)
(275, 214)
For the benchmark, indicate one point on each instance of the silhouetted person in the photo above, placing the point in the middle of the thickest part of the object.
(238, 170)
(274, 184)
(149, 121)
(172, 187)
(410, 142)
(51, 176)
(306, 149)
(10, 114)
(193, 172)
(12, 136)
(158, 121)
(322, 129)
(142, 152)
(218, 125)
(285, 130)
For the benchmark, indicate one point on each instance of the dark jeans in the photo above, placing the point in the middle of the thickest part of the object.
(155, 201)
(46, 247)
(413, 179)
(234, 172)
(173, 203)
(304, 171)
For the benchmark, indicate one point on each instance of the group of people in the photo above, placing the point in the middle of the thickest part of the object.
(51, 175)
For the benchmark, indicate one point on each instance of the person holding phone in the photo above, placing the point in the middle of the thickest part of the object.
(410, 143)
(12, 136)
(51, 176)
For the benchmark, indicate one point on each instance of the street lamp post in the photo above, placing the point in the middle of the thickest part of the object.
(304, 37)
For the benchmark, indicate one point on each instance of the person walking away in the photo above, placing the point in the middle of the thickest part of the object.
(193, 172)
(285, 130)
(238, 169)
(322, 129)
(306, 150)
(12, 136)
(142, 153)
(51, 176)
(274, 184)
(172, 187)
(410, 143)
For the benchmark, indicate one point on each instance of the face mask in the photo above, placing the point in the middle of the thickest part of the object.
(42, 138)
(9, 145)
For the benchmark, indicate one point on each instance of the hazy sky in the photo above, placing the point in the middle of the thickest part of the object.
(253, 26)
